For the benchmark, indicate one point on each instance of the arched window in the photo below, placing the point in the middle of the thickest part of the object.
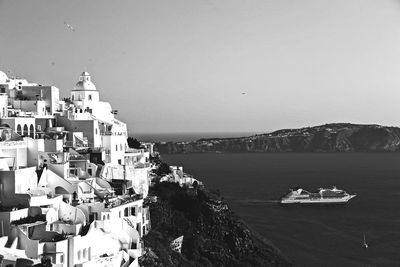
(19, 129)
(26, 132)
(31, 131)
(90, 97)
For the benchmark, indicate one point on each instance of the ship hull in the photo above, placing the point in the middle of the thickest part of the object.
(343, 200)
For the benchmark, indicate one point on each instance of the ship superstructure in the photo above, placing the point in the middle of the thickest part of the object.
(323, 196)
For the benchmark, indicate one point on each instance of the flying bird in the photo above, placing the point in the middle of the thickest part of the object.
(243, 93)
(69, 26)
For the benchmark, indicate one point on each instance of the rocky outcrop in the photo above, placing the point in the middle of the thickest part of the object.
(338, 137)
(213, 234)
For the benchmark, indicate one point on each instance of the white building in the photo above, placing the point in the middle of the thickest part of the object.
(64, 160)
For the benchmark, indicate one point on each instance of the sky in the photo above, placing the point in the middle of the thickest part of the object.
(215, 65)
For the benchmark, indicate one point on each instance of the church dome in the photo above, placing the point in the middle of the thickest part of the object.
(3, 77)
(85, 83)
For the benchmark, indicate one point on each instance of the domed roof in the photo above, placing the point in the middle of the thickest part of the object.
(3, 77)
(85, 82)
(81, 85)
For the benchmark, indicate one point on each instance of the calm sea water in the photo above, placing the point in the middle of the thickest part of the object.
(312, 235)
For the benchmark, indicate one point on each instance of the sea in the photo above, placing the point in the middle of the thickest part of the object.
(321, 235)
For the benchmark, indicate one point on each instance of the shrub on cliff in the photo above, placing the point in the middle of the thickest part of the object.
(134, 143)
(162, 169)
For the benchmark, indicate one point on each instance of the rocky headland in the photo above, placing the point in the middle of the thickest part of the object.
(335, 137)
(212, 234)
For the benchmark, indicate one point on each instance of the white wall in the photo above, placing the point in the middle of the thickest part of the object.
(34, 146)
(25, 179)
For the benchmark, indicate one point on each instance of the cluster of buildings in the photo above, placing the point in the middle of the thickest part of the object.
(178, 176)
(71, 190)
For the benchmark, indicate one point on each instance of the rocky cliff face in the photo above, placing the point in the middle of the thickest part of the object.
(338, 137)
(212, 234)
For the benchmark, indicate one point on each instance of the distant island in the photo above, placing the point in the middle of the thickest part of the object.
(334, 137)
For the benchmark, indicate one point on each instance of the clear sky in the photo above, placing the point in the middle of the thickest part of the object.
(182, 66)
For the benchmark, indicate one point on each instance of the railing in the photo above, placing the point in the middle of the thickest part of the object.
(111, 133)
(76, 144)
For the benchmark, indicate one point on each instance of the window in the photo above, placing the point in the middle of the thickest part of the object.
(90, 97)
(116, 147)
(95, 131)
(26, 132)
(79, 254)
(19, 129)
(84, 253)
(62, 259)
(72, 97)
(133, 211)
(32, 131)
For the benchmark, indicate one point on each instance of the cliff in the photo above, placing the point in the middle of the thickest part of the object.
(212, 234)
(337, 137)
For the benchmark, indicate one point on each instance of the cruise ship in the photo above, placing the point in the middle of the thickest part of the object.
(323, 196)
